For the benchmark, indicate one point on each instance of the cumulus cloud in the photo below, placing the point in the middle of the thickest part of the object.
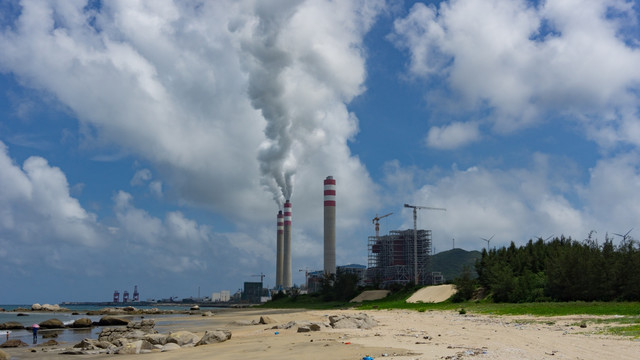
(541, 198)
(453, 135)
(521, 62)
(217, 96)
(37, 207)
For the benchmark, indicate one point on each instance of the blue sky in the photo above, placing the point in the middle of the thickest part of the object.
(152, 143)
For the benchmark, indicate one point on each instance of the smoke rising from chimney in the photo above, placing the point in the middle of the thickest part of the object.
(268, 60)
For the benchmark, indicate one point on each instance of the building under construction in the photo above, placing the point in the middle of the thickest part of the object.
(391, 258)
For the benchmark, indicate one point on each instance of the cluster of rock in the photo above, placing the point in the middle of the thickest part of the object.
(141, 337)
(77, 324)
(360, 321)
(130, 310)
(47, 307)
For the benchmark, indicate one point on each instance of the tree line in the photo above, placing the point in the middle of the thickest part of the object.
(558, 270)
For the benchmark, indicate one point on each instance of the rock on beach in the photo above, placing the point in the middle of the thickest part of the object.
(52, 324)
(13, 343)
(11, 325)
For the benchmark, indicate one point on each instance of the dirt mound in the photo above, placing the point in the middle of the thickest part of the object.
(370, 295)
(433, 294)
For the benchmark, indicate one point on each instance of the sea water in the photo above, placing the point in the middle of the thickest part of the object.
(69, 336)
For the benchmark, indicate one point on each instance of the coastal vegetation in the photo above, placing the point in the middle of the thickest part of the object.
(561, 270)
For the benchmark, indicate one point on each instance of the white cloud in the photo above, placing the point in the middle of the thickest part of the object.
(523, 62)
(202, 91)
(155, 187)
(453, 135)
(36, 206)
(613, 193)
(515, 204)
(141, 177)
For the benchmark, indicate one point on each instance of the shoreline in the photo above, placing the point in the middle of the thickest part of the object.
(400, 334)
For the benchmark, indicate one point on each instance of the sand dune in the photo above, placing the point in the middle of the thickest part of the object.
(433, 294)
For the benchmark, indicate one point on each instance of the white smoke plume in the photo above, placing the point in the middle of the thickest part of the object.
(296, 54)
(266, 63)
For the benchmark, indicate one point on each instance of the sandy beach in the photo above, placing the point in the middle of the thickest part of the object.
(399, 335)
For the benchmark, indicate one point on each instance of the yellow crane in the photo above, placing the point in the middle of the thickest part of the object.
(415, 236)
(376, 222)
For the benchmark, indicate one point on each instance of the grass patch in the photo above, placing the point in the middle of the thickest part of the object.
(633, 331)
(397, 300)
(306, 302)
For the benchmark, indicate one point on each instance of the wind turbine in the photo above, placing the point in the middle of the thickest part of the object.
(625, 236)
(488, 241)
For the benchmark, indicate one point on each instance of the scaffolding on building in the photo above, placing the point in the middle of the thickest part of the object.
(391, 258)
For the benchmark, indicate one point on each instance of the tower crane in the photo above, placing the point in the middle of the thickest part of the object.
(376, 222)
(261, 276)
(415, 236)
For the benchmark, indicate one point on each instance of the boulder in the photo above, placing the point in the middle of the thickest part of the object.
(48, 307)
(144, 325)
(36, 307)
(11, 325)
(303, 329)
(113, 334)
(51, 324)
(13, 343)
(91, 344)
(360, 321)
(195, 307)
(129, 309)
(22, 314)
(4, 355)
(207, 313)
(243, 322)
(183, 338)
(82, 323)
(309, 327)
(50, 343)
(170, 347)
(135, 347)
(266, 320)
(156, 339)
(215, 336)
(2, 310)
(50, 334)
(112, 321)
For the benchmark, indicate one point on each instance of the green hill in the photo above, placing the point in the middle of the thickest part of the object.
(451, 262)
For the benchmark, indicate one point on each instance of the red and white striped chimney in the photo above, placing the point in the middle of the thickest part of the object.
(286, 263)
(330, 225)
(279, 249)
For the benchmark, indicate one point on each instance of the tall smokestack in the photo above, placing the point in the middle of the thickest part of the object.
(329, 225)
(279, 250)
(286, 262)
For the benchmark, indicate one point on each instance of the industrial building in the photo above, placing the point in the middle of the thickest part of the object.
(391, 258)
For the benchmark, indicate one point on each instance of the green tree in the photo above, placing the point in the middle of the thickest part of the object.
(465, 285)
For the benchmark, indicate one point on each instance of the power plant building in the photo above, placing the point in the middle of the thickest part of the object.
(391, 258)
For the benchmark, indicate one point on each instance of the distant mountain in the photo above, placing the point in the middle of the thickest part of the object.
(451, 262)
